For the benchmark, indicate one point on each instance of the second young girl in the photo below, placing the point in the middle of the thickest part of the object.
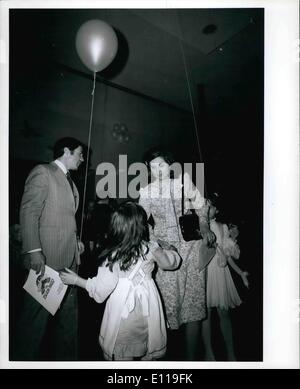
(221, 292)
(133, 324)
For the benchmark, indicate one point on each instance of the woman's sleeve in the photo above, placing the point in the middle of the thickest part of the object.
(101, 286)
(145, 200)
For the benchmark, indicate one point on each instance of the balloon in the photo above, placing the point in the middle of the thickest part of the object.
(96, 44)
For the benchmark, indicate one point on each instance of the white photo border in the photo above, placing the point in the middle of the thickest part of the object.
(281, 183)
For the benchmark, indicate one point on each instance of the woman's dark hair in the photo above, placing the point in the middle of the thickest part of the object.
(70, 143)
(128, 230)
(155, 152)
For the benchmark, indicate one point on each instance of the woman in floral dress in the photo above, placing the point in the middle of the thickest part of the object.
(182, 290)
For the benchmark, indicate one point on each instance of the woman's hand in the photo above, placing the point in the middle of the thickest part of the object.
(244, 276)
(68, 277)
(209, 238)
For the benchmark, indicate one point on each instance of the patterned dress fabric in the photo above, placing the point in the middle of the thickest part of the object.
(182, 290)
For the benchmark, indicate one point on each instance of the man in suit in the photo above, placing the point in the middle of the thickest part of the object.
(49, 236)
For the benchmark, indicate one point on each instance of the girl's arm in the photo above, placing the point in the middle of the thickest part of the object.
(99, 287)
(239, 271)
(166, 259)
(69, 277)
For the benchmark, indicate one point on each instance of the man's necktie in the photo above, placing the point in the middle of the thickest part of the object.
(68, 175)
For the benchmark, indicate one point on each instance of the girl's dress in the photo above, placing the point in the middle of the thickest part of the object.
(182, 290)
(221, 291)
(133, 323)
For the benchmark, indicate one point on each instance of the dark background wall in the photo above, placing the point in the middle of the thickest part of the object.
(45, 109)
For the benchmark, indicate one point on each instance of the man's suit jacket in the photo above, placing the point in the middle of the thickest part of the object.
(47, 216)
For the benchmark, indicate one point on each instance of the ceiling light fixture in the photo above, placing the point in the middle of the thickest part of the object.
(120, 133)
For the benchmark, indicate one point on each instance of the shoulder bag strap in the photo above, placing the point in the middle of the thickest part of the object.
(174, 209)
(182, 194)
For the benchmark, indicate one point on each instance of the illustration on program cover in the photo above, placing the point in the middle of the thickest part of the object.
(46, 288)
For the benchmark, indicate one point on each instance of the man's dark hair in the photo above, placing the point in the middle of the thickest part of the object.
(70, 143)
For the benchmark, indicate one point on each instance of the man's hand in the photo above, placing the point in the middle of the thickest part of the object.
(35, 261)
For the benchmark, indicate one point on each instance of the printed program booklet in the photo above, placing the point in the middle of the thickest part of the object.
(47, 289)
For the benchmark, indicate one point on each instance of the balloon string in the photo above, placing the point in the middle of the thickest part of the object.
(88, 154)
(94, 83)
(188, 84)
